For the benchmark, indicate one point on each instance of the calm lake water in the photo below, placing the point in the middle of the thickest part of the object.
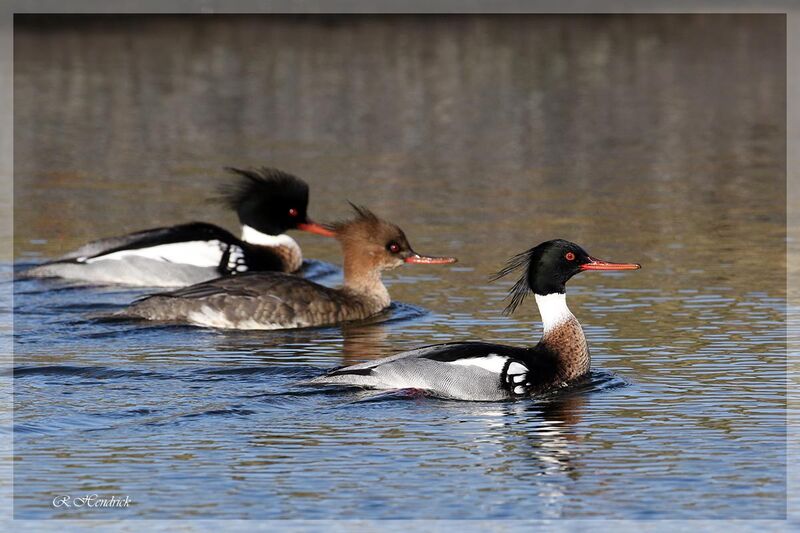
(659, 140)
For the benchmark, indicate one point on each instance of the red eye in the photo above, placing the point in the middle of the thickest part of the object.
(393, 247)
(292, 212)
(570, 256)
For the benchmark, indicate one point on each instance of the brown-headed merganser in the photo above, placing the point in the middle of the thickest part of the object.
(275, 300)
(268, 201)
(483, 371)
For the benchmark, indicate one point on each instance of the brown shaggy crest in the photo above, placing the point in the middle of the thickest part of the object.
(367, 227)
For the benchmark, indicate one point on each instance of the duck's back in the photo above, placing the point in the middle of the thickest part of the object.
(175, 256)
(478, 371)
(258, 300)
(161, 257)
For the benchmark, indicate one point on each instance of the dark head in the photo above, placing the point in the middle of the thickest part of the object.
(270, 201)
(549, 266)
(375, 243)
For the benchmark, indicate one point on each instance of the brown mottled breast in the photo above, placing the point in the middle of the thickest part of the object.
(290, 256)
(568, 342)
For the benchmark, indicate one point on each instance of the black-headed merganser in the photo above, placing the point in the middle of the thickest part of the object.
(274, 300)
(268, 201)
(482, 371)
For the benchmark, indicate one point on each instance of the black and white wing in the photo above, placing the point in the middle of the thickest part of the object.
(163, 257)
(196, 243)
(467, 371)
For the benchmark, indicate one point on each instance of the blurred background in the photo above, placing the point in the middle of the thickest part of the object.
(641, 132)
(655, 139)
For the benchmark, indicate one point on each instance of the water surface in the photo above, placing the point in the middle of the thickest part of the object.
(659, 140)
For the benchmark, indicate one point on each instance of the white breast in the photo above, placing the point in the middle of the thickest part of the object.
(197, 253)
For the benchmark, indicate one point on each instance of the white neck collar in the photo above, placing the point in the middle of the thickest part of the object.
(554, 310)
(253, 236)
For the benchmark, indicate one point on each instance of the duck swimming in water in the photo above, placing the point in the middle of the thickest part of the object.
(483, 371)
(275, 300)
(268, 202)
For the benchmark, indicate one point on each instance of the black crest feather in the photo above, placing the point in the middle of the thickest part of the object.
(260, 183)
(264, 197)
(521, 288)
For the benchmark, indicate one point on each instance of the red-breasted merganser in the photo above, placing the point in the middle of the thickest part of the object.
(482, 371)
(268, 201)
(274, 300)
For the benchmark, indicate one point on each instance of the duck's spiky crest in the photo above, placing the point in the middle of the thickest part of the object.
(363, 216)
(520, 289)
(255, 184)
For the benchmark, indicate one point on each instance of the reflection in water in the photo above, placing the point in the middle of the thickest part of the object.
(362, 343)
(552, 449)
(528, 442)
(543, 430)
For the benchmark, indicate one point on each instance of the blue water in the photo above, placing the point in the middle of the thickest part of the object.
(193, 422)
